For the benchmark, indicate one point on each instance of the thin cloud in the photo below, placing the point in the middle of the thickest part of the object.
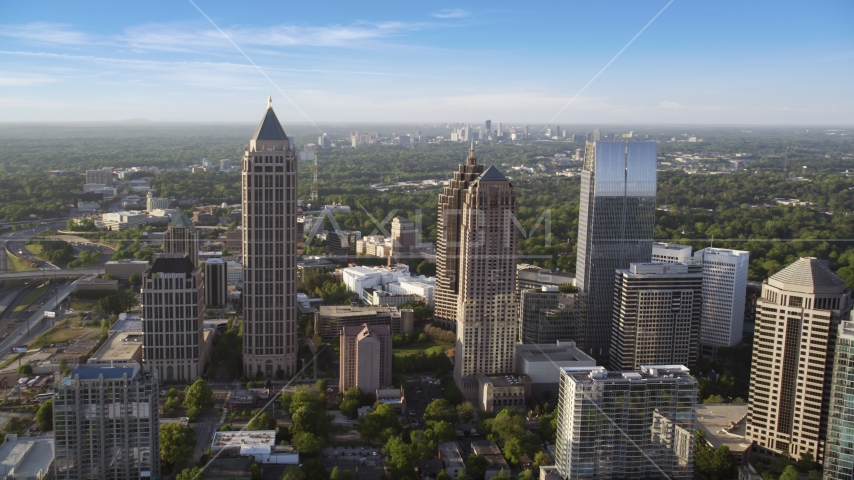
(451, 13)
(44, 32)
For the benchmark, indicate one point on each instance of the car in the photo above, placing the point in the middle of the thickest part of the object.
(330, 390)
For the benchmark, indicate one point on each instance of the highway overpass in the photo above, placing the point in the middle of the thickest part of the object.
(50, 274)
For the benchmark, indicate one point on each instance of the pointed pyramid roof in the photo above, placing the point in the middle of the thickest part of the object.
(809, 272)
(180, 220)
(491, 174)
(269, 128)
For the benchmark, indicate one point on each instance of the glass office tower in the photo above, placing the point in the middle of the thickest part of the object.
(615, 226)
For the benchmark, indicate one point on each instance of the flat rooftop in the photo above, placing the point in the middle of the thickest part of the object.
(342, 311)
(244, 439)
(94, 371)
(551, 353)
(119, 347)
(503, 381)
(28, 456)
(724, 424)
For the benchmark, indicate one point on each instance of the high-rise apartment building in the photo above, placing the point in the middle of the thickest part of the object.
(365, 357)
(488, 126)
(797, 320)
(632, 424)
(181, 237)
(549, 315)
(103, 176)
(487, 307)
(269, 172)
(656, 315)
(615, 227)
(173, 309)
(216, 283)
(597, 135)
(106, 423)
(671, 253)
(839, 453)
(724, 290)
(404, 236)
(448, 239)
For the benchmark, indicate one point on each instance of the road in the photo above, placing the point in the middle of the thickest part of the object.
(36, 323)
(209, 422)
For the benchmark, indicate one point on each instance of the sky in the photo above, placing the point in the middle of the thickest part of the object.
(557, 62)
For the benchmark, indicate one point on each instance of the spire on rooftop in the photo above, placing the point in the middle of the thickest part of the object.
(269, 102)
(269, 128)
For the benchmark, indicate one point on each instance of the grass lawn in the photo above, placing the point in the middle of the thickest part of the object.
(30, 298)
(68, 329)
(15, 264)
(83, 305)
(35, 249)
(428, 347)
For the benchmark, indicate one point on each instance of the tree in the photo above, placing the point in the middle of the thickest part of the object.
(790, 473)
(44, 416)
(25, 369)
(440, 410)
(199, 398)
(190, 474)
(335, 474)
(476, 465)
(466, 411)
(440, 431)
(723, 464)
(255, 471)
(401, 457)
(177, 443)
(807, 462)
(264, 421)
(314, 469)
(309, 419)
(135, 279)
(443, 475)
(380, 424)
(308, 443)
(513, 450)
(293, 472)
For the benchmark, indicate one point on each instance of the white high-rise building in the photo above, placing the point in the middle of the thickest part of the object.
(724, 289)
(631, 424)
(671, 253)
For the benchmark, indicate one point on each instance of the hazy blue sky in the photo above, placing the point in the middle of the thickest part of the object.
(716, 61)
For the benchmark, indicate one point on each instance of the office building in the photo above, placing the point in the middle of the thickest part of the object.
(533, 277)
(671, 253)
(839, 453)
(487, 125)
(615, 227)
(549, 315)
(448, 239)
(156, 203)
(542, 363)
(341, 245)
(182, 238)
(269, 204)
(404, 237)
(365, 357)
(597, 135)
(798, 316)
(233, 273)
(632, 424)
(330, 319)
(173, 310)
(656, 315)
(487, 307)
(123, 269)
(216, 283)
(724, 289)
(103, 176)
(497, 392)
(106, 424)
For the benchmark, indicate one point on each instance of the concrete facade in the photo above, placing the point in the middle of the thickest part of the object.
(365, 357)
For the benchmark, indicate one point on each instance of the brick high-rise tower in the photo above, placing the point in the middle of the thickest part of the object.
(448, 239)
(269, 250)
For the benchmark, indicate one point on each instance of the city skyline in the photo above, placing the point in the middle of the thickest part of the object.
(371, 63)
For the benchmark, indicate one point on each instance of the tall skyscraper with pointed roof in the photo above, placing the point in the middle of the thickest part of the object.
(487, 307)
(448, 239)
(615, 227)
(269, 250)
(797, 321)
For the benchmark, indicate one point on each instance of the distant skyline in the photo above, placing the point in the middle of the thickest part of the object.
(699, 62)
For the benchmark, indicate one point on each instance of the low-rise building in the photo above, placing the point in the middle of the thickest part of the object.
(330, 319)
(724, 425)
(542, 364)
(530, 276)
(449, 453)
(123, 269)
(234, 273)
(495, 392)
(490, 451)
(94, 283)
(394, 397)
(120, 347)
(27, 458)
(261, 445)
(383, 298)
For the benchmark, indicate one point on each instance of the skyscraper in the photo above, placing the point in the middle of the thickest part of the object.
(487, 307)
(597, 135)
(656, 315)
(365, 357)
(797, 320)
(634, 424)
(615, 226)
(216, 283)
(839, 455)
(173, 308)
(549, 315)
(181, 237)
(269, 250)
(404, 236)
(724, 289)
(448, 239)
(488, 126)
(106, 423)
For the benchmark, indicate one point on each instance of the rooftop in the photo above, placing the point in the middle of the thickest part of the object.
(28, 456)
(95, 371)
(244, 439)
(353, 330)
(502, 381)
(724, 424)
(560, 352)
(491, 174)
(646, 372)
(355, 311)
(166, 263)
(119, 347)
(269, 128)
(809, 272)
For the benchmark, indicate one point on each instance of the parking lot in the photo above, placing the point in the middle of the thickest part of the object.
(419, 393)
(367, 459)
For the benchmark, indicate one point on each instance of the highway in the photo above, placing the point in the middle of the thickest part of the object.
(36, 323)
(37, 274)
